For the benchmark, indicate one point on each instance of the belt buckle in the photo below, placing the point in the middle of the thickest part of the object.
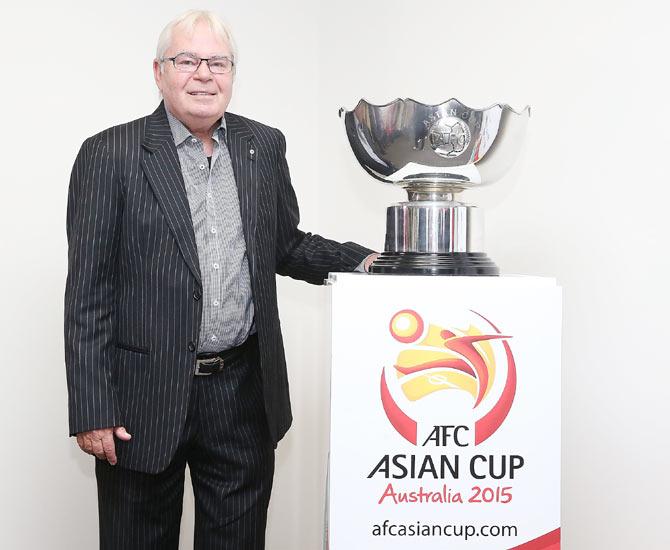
(213, 362)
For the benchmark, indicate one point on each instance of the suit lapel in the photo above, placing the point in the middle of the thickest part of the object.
(162, 168)
(243, 156)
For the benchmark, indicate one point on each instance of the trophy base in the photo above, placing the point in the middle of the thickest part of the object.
(446, 263)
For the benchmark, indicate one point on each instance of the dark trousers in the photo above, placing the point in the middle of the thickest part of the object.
(227, 447)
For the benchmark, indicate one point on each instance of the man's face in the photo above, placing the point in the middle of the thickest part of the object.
(200, 97)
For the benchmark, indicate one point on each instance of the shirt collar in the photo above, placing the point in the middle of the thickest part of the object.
(181, 133)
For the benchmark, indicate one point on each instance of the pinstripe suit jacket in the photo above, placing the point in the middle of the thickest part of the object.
(132, 297)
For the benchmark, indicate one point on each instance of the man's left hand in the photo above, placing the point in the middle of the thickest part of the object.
(369, 260)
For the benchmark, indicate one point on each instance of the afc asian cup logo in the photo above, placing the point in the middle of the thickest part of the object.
(471, 367)
(449, 136)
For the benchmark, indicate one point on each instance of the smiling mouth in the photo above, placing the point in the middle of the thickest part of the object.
(201, 93)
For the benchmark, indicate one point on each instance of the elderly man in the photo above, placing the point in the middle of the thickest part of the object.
(177, 224)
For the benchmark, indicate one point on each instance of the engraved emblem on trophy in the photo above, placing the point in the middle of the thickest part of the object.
(435, 152)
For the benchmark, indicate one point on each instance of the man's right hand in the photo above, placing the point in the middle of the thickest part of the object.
(101, 442)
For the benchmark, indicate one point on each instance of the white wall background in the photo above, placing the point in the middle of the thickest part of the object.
(589, 206)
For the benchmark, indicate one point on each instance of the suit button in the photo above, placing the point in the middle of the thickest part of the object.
(191, 346)
(197, 294)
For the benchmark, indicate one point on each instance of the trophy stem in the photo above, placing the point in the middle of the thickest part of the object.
(415, 195)
(432, 191)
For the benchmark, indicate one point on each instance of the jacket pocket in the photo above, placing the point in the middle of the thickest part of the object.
(129, 347)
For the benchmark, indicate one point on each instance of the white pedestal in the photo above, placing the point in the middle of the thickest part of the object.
(445, 413)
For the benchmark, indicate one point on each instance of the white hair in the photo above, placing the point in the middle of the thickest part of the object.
(187, 21)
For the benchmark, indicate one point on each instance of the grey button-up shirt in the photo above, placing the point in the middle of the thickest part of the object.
(228, 309)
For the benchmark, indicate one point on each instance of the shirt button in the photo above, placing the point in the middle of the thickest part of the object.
(193, 140)
(191, 346)
(215, 265)
(213, 229)
(215, 303)
(209, 195)
(213, 338)
(202, 167)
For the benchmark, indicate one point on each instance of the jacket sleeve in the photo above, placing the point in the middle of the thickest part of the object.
(94, 212)
(301, 255)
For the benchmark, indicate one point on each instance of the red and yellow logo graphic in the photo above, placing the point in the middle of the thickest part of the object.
(443, 359)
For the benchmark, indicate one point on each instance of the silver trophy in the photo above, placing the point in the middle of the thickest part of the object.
(435, 152)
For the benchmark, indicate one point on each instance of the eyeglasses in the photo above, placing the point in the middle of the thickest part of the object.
(189, 63)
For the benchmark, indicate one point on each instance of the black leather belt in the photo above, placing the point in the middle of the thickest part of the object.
(215, 362)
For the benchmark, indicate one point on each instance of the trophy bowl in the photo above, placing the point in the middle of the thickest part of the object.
(435, 152)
